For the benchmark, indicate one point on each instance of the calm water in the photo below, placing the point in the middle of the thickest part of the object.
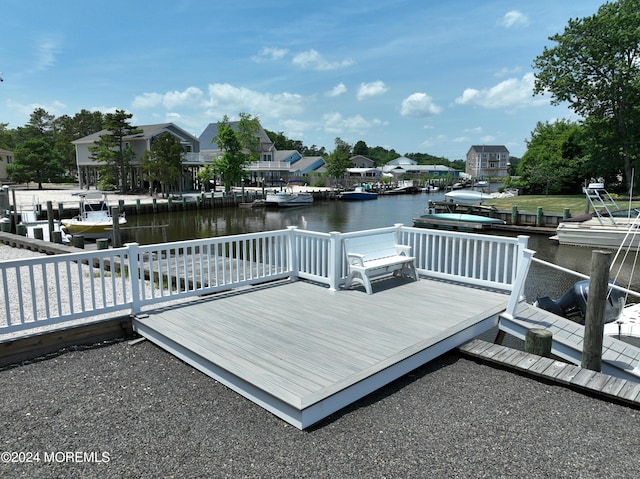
(353, 216)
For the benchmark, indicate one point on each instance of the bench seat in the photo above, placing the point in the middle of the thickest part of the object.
(375, 255)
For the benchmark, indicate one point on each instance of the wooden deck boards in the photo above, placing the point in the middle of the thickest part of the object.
(304, 352)
(619, 359)
(568, 374)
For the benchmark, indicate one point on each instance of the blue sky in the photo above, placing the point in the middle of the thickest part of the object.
(413, 75)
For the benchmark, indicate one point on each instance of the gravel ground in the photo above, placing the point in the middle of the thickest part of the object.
(136, 411)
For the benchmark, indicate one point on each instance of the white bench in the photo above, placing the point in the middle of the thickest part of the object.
(374, 255)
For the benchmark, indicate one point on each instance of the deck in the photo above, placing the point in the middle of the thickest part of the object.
(304, 352)
(619, 359)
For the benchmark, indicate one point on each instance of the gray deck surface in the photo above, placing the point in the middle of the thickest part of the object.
(619, 359)
(294, 345)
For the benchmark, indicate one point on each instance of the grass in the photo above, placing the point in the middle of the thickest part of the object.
(549, 204)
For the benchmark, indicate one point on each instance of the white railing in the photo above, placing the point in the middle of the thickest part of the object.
(42, 291)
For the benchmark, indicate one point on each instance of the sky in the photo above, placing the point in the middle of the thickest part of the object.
(416, 76)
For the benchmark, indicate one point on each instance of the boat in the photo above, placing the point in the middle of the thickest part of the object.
(468, 195)
(287, 199)
(94, 220)
(607, 226)
(620, 319)
(461, 221)
(358, 194)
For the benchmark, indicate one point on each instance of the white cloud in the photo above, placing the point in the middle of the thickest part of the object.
(337, 124)
(55, 108)
(375, 88)
(312, 60)
(147, 100)
(337, 90)
(503, 72)
(419, 105)
(270, 54)
(190, 97)
(508, 93)
(514, 18)
(230, 100)
(46, 54)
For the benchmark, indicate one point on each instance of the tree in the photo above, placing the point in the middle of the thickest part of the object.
(163, 161)
(595, 67)
(339, 159)
(35, 160)
(361, 148)
(112, 149)
(240, 146)
(554, 159)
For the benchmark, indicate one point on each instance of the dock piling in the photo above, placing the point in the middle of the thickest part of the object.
(594, 317)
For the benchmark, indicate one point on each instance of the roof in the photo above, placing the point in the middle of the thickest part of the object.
(148, 131)
(402, 160)
(210, 132)
(307, 164)
(488, 149)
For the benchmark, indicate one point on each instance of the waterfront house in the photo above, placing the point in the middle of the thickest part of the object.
(488, 161)
(88, 166)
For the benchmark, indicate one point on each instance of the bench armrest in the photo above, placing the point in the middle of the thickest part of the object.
(402, 249)
(355, 258)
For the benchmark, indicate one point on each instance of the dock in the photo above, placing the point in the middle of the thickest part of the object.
(619, 359)
(303, 352)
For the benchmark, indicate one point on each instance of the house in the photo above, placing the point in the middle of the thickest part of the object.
(488, 161)
(272, 164)
(404, 166)
(6, 158)
(88, 167)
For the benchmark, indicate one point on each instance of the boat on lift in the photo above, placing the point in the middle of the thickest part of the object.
(94, 220)
(608, 226)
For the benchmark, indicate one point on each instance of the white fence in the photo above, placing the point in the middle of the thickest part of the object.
(42, 291)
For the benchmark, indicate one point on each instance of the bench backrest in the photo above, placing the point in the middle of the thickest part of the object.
(372, 247)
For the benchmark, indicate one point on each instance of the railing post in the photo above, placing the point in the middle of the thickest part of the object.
(524, 262)
(335, 260)
(293, 259)
(134, 275)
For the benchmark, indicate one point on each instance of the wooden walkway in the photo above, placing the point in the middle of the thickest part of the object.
(592, 382)
(619, 359)
(304, 352)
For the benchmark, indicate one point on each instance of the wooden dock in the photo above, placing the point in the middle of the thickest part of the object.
(619, 359)
(304, 352)
(591, 382)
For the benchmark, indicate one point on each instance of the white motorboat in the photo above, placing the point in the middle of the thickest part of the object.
(94, 220)
(468, 196)
(607, 227)
(287, 198)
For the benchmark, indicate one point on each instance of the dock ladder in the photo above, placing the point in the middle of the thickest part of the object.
(601, 202)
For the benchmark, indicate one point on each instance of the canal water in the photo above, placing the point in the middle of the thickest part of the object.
(345, 217)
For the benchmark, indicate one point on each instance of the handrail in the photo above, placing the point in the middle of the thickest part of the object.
(585, 276)
(94, 285)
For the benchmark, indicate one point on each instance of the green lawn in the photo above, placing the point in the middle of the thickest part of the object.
(549, 204)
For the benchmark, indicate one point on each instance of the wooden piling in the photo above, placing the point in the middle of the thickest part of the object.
(50, 218)
(115, 219)
(78, 241)
(594, 317)
(538, 341)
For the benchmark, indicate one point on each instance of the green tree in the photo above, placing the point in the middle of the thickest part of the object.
(163, 161)
(361, 148)
(339, 159)
(554, 161)
(35, 160)
(240, 146)
(594, 66)
(112, 149)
